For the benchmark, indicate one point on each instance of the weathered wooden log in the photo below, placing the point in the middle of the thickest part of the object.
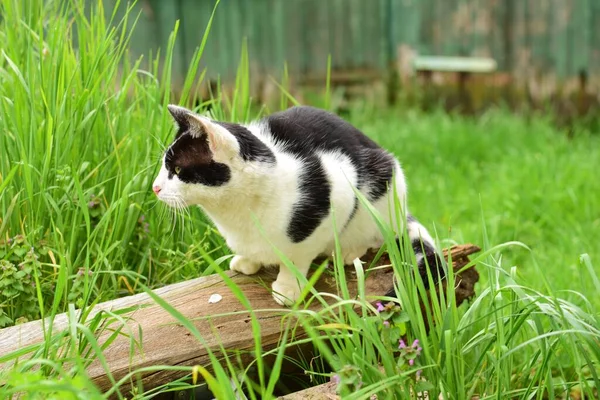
(164, 342)
(325, 391)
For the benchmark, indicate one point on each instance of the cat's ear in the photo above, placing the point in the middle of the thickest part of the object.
(180, 115)
(220, 140)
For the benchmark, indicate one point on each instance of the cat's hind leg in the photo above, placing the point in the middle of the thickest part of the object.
(244, 265)
(361, 235)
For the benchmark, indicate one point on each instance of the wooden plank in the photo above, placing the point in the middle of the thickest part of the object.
(191, 29)
(278, 25)
(292, 39)
(581, 39)
(326, 391)
(317, 38)
(406, 23)
(166, 343)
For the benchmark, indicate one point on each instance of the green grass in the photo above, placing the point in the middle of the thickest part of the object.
(81, 141)
(506, 176)
(81, 135)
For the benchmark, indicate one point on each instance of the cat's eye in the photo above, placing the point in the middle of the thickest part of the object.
(177, 170)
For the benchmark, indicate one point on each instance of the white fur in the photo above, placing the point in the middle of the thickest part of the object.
(267, 193)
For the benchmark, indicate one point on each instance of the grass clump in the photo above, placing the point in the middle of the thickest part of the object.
(522, 178)
(82, 129)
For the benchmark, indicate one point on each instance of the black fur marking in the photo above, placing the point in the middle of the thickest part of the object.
(377, 172)
(180, 116)
(180, 131)
(431, 261)
(194, 159)
(304, 130)
(251, 148)
(352, 213)
(313, 205)
(213, 174)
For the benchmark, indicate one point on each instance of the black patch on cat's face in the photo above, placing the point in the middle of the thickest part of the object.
(251, 148)
(313, 206)
(193, 158)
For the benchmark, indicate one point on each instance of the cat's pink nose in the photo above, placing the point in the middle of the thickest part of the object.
(156, 189)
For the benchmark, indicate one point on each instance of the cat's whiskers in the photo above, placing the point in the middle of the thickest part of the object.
(167, 209)
(186, 214)
(153, 206)
(178, 210)
(161, 214)
(180, 206)
(174, 222)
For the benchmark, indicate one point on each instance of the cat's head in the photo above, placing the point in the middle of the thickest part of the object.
(201, 162)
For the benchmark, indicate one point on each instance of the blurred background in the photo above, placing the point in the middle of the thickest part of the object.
(524, 54)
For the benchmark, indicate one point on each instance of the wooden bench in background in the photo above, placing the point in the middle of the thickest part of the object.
(464, 67)
(467, 65)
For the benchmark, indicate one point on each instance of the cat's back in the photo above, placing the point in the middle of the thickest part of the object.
(303, 130)
(329, 153)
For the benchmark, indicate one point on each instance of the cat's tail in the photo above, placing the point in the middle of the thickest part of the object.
(427, 257)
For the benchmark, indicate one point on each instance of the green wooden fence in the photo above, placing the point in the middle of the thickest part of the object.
(547, 36)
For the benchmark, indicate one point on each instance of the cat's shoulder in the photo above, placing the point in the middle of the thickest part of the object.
(303, 117)
(302, 111)
(302, 128)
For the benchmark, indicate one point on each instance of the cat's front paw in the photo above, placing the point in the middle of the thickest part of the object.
(353, 255)
(286, 293)
(244, 265)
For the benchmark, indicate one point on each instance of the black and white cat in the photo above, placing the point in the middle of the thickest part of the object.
(286, 172)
